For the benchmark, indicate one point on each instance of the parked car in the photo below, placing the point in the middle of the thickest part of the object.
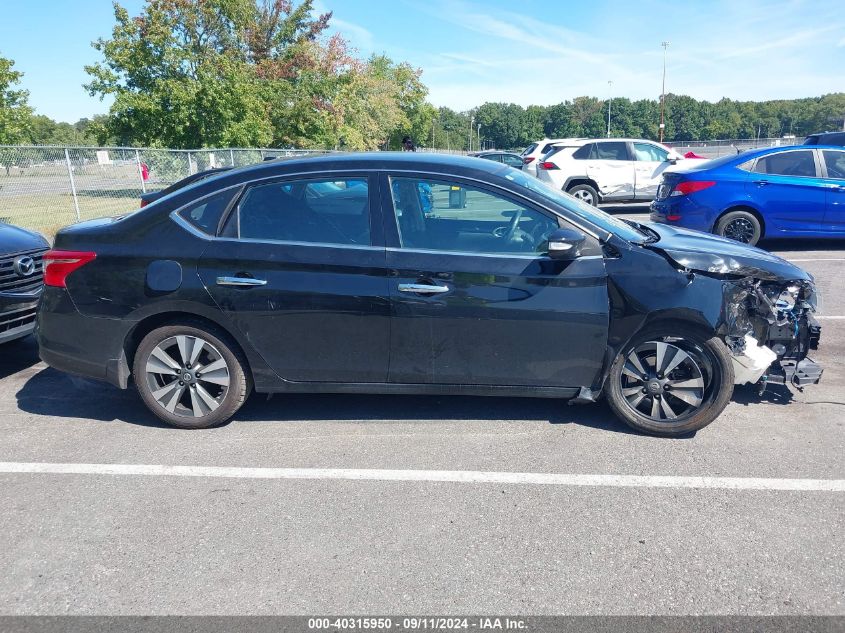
(151, 196)
(20, 280)
(241, 283)
(532, 154)
(796, 191)
(508, 158)
(826, 138)
(609, 170)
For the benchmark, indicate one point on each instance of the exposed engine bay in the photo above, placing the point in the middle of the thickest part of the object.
(770, 330)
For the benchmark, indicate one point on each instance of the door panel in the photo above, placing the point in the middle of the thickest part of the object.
(475, 299)
(502, 321)
(611, 167)
(322, 312)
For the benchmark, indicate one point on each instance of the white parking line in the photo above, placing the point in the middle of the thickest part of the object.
(450, 476)
(829, 318)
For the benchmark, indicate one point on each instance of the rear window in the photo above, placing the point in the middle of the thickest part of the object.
(529, 149)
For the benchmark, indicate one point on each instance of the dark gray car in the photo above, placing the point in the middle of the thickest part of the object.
(21, 280)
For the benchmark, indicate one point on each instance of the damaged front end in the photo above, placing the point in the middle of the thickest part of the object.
(767, 320)
(770, 330)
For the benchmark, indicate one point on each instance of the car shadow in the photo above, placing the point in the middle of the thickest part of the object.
(55, 394)
(774, 394)
(17, 356)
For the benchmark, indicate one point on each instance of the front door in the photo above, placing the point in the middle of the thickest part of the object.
(475, 298)
(788, 191)
(302, 279)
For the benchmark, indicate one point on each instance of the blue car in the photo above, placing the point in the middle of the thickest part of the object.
(769, 193)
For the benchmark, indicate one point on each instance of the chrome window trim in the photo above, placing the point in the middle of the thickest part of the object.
(430, 251)
(577, 222)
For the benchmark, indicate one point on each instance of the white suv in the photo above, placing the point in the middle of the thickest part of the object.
(532, 154)
(610, 170)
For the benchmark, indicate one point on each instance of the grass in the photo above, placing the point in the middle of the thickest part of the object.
(47, 213)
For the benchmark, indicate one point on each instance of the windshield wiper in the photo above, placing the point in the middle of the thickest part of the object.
(650, 233)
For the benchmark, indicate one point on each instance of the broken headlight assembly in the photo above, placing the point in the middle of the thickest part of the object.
(772, 330)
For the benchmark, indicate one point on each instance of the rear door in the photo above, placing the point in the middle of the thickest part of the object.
(650, 161)
(302, 276)
(477, 301)
(788, 189)
(611, 166)
(833, 162)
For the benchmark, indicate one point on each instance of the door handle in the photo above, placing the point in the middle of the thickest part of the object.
(240, 281)
(761, 183)
(423, 289)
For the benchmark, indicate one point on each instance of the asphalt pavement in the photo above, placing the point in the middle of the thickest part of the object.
(331, 530)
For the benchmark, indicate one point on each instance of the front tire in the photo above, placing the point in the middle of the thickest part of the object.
(585, 193)
(739, 225)
(191, 375)
(670, 380)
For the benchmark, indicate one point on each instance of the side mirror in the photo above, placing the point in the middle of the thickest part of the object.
(565, 244)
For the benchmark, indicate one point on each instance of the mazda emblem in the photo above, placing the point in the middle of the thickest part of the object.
(24, 266)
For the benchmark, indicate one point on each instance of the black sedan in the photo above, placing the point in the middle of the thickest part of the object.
(20, 280)
(334, 274)
(508, 158)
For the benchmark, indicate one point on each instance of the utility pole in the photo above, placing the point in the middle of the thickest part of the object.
(665, 45)
(609, 102)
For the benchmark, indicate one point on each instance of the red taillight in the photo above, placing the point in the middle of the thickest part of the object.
(673, 218)
(548, 165)
(691, 186)
(527, 159)
(143, 203)
(59, 264)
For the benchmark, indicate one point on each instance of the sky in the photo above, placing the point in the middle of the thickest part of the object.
(527, 52)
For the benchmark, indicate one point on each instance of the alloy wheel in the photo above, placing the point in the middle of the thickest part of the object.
(187, 376)
(740, 229)
(663, 382)
(584, 195)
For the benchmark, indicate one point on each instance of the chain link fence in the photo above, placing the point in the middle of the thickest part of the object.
(716, 148)
(45, 187)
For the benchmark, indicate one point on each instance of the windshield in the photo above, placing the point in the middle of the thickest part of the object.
(582, 209)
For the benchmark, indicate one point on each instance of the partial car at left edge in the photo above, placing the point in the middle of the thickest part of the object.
(20, 280)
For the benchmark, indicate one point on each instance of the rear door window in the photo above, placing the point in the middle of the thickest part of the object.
(610, 151)
(801, 163)
(318, 211)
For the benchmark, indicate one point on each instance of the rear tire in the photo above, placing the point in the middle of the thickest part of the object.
(742, 226)
(191, 375)
(585, 193)
(670, 380)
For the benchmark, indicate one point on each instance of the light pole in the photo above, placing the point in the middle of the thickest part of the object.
(609, 102)
(665, 45)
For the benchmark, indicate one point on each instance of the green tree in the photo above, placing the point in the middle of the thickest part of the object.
(15, 113)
